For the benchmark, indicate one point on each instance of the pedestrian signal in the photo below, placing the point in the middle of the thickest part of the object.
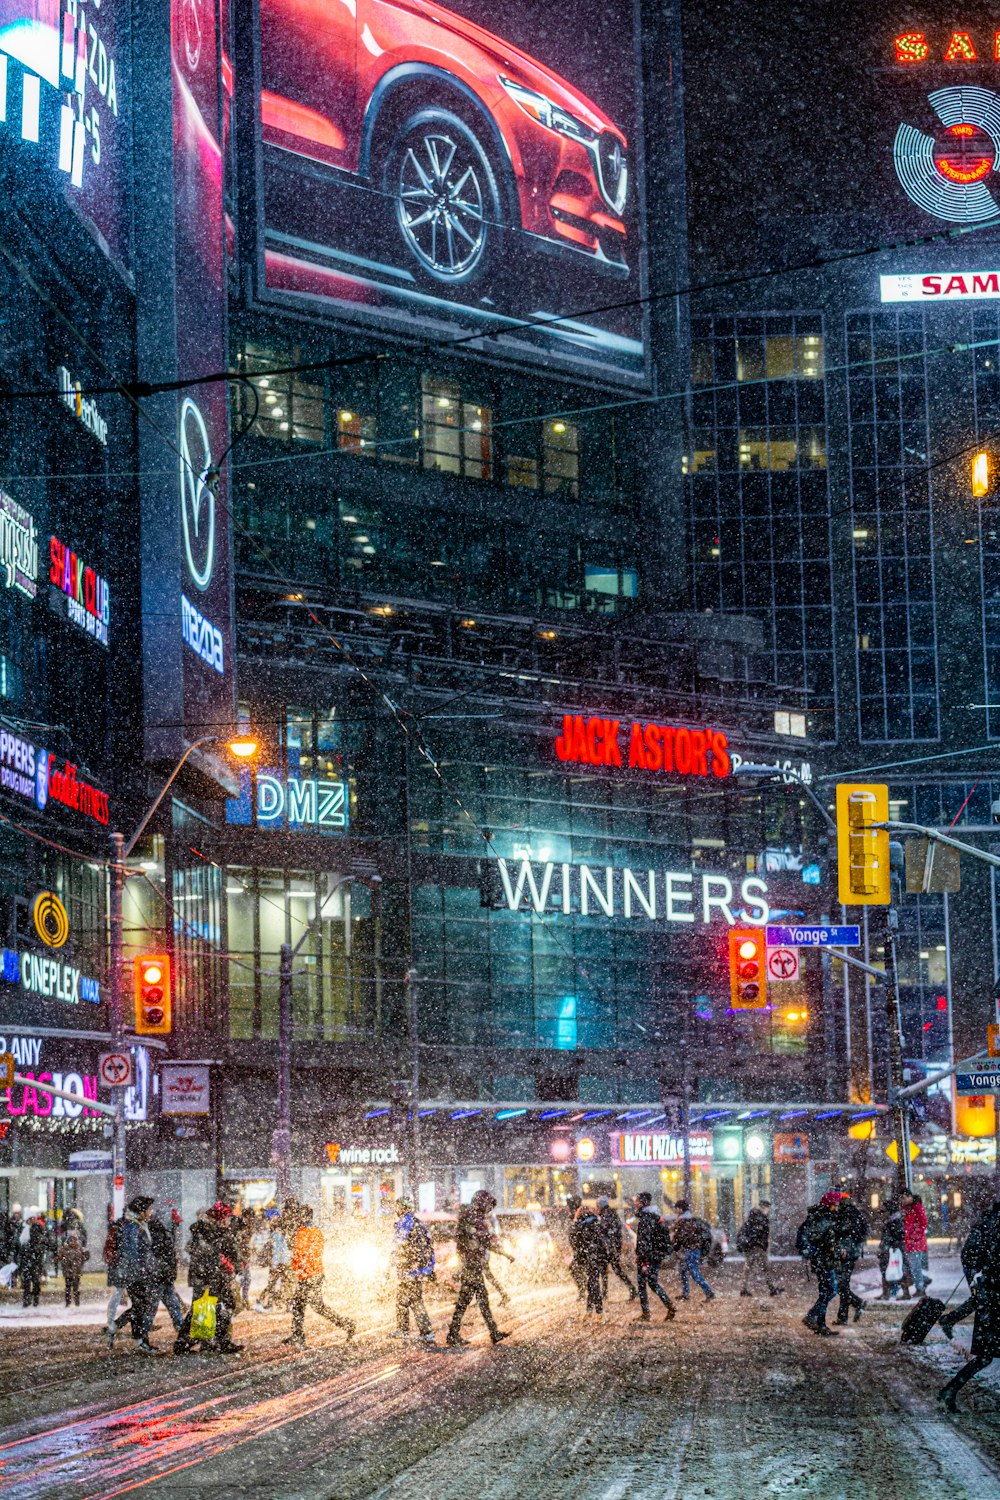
(6, 1070)
(862, 849)
(152, 994)
(747, 969)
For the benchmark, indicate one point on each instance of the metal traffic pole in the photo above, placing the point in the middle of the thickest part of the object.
(117, 1018)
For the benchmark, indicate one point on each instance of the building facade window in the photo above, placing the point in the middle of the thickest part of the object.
(892, 529)
(759, 492)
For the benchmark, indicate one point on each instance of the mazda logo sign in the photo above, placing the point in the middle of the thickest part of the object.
(197, 499)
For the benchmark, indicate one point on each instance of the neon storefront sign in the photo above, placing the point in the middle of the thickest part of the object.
(298, 803)
(637, 1148)
(88, 602)
(914, 49)
(643, 745)
(36, 776)
(40, 975)
(18, 547)
(676, 896)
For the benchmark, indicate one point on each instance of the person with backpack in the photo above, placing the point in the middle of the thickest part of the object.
(852, 1235)
(652, 1246)
(474, 1241)
(135, 1268)
(692, 1239)
(753, 1242)
(816, 1242)
(981, 1264)
(593, 1254)
(413, 1261)
(611, 1229)
(307, 1269)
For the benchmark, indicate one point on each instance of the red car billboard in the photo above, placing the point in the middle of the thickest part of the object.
(430, 175)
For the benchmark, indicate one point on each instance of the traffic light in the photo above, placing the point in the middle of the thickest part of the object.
(982, 475)
(747, 968)
(862, 850)
(152, 994)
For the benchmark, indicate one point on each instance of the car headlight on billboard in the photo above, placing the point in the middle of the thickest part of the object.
(548, 114)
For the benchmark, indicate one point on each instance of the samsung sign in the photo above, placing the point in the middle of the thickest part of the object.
(947, 286)
(679, 896)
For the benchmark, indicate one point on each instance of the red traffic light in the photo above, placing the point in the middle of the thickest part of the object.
(747, 968)
(152, 994)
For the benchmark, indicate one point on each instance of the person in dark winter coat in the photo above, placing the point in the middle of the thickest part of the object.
(474, 1241)
(135, 1271)
(593, 1253)
(981, 1264)
(652, 1242)
(752, 1242)
(31, 1249)
(212, 1259)
(71, 1259)
(692, 1240)
(164, 1273)
(413, 1258)
(817, 1242)
(611, 1229)
(852, 1235)
(577, 1265)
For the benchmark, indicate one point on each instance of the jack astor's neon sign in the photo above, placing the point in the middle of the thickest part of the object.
(643, 745)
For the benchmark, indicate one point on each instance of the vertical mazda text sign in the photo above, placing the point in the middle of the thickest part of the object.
(186, 544)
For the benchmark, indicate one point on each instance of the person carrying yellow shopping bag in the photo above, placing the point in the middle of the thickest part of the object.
(213, 1256)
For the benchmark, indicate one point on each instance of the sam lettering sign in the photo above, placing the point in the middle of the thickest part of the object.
(644, 746)
(955, 286)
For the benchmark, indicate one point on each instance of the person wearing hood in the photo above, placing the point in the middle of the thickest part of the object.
(163, 1239)
(981, 1264)
(577, 1264)
(72, 1256)
(307, 1269)
(474, 1240)
(611, 1229)
(135, 1271)
(915, 1239)
(816, 1242)
(852, 1235)
(892, 1239)
(212, 1259)
(692, 1239)
(32, 1244)
(593, 1253)
(652, 1244)
(413, 1261)
(753, 1242)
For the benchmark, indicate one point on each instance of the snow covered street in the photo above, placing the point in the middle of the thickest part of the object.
(735, 1398)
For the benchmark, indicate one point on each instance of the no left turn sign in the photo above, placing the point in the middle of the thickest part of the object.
(114, 1069)
(782, 963)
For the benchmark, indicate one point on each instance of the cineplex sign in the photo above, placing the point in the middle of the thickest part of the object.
(615, 890)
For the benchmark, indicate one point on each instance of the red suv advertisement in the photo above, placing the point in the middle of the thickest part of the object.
(433, 174)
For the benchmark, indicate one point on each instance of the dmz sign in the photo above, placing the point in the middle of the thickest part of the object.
(300, 804)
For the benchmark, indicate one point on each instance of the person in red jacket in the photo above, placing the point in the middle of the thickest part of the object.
(915, 1239)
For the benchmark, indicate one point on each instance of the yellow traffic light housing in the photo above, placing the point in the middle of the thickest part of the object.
(982, 475)
(862, 849)
(152, 995)
(6, 1070)
(747, 968)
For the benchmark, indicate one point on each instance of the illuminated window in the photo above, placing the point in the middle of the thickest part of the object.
(290, 408)
(603, 580)
(702, 364)
(561, 459)
(522, 471)
(355, 433)
(457, 432)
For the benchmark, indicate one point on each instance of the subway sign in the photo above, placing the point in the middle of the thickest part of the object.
(643, 745)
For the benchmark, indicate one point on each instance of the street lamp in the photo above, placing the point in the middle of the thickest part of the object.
(243, 747)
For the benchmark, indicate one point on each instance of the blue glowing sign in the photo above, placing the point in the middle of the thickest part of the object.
(301, 804)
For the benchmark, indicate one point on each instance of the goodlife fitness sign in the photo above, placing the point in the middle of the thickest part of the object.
(644, 745)
(947, 286)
